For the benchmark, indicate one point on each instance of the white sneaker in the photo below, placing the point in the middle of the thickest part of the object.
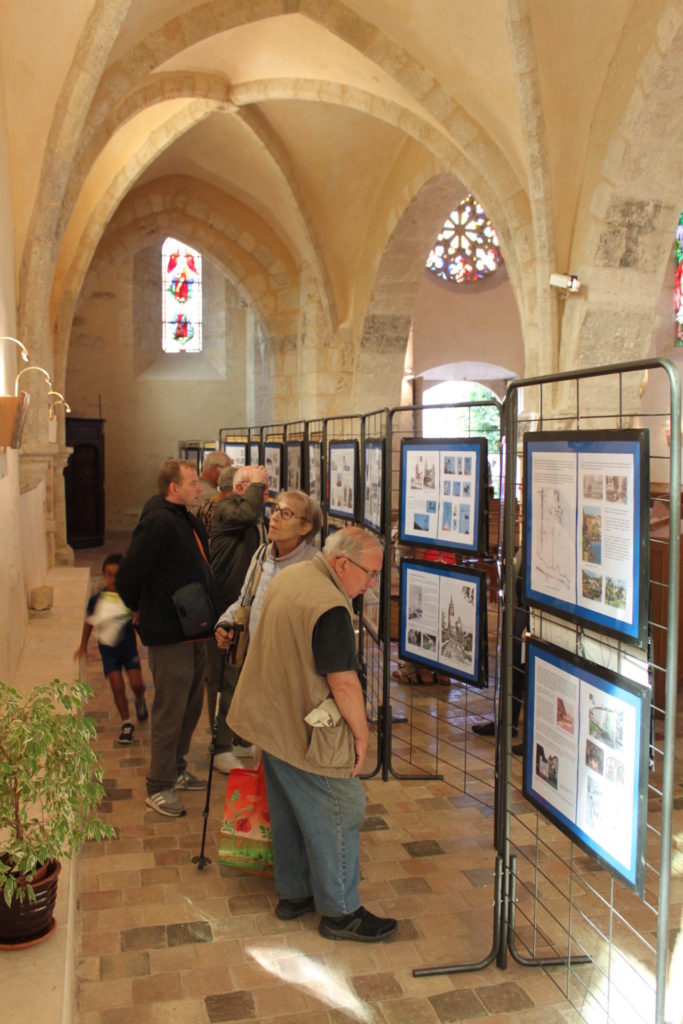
(239, 751)
(225, 762)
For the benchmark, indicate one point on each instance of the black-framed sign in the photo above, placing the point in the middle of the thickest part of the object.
(586, 754)
(443, 619)
(314, 470)
(586, 528)
(373, 485)
(444, 493)
(343, 474)
(254, 453)
(373, 603)
(295, 452)
(272, 459)
(236, 452)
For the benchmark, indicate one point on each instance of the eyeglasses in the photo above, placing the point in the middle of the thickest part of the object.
(372, 576)
(286, 514)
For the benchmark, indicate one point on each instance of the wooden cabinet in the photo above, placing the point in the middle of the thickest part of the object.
(84, 482)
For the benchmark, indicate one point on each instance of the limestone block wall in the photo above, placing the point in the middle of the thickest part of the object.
(149, 399)
(13, 605)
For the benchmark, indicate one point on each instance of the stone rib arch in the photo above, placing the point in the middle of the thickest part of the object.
(74, 260)
(631, 198)
(80, 86)
(236, 239)
(214, 17)
(386, 325)
(543, 318)
(155, 89)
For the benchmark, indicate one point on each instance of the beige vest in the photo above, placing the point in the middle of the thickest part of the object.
(279, 684)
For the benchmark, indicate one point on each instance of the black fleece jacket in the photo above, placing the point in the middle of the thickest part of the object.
(163, 556)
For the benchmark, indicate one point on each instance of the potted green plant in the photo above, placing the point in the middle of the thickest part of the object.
(50, 788)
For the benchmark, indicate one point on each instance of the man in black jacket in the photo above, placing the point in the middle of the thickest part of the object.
(169, 550)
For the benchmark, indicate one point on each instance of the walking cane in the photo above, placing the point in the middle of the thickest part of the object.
(201, 860)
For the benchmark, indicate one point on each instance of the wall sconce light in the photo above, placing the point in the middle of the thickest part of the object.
(26, 370)
(61, 400)
(24, 351)
(568, 282)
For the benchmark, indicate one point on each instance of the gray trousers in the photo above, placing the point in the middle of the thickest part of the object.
(178, 671)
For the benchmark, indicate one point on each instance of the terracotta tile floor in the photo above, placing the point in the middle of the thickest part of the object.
(182, 945)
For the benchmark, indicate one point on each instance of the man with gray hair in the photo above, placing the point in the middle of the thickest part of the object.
(235, 532)
(300, 700)
(213, 463)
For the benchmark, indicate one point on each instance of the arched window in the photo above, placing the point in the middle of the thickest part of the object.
(181, 302)
(466, 248)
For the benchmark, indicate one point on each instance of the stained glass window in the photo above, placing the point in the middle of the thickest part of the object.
(181, 276)
(466, 248)
(678, 283)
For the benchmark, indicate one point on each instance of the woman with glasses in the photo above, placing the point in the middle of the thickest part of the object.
(295, 522)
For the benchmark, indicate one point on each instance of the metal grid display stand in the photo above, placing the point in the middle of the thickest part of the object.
(429, 714)
(555, 907)
(371, 641)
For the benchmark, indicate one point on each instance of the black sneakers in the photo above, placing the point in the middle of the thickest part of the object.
(288, 910)
(126, 735)
(361, 926)
(141, 709)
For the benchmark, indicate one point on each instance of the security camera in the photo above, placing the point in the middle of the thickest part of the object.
(569, 282)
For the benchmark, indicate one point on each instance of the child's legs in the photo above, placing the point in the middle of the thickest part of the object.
(135, 680)
(118, 688)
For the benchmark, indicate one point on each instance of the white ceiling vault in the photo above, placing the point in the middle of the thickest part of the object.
(319, 122)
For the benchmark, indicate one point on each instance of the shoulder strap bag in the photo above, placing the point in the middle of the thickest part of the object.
(237, 651)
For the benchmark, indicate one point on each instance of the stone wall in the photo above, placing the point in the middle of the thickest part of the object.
(149, 399)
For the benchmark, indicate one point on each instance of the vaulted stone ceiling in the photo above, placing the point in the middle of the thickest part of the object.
(321, 121)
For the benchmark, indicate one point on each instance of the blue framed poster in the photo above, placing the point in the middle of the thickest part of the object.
(236, 452)
(295, 451)
(272, 459)
(314, 470)
(343, 475)
(586, 528)
(443, 493)
(586, 754)
(254, 453)
(373, 485)
(443, 619)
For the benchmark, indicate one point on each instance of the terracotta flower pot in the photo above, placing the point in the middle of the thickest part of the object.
(23, 923)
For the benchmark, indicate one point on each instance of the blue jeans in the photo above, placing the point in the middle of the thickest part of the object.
(315, 822)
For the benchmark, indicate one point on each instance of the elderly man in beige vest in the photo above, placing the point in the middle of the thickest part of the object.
(302, 656)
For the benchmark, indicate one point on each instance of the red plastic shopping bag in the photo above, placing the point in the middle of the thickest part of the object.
(246, 842)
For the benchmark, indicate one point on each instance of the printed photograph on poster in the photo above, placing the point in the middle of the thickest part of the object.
(373, 484)
(587, 735)
(272, 456)
(343, 468)
(314, 474)
(587, 528)
(443, 493)
(294, 451)
(443, 619)
(237, 453)
(372, 610)
(254, 453)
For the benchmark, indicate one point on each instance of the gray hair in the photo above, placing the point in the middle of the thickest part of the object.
(226, 478)
(353, 541)
(216, 459)
(309, 509)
